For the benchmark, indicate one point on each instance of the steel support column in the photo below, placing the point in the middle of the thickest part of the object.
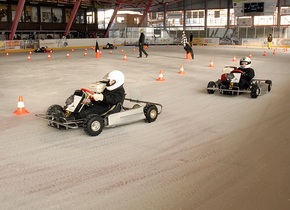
(72, 17)
(112, 18)
(146, 12)
(16, 18)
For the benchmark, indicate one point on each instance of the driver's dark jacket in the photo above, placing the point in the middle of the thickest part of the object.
(111, 97)
(248, 74)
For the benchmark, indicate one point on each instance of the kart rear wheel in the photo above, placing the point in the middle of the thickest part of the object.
(255, 91)
(211, 84)
(93, 124)
(269, 82)
(150, 112)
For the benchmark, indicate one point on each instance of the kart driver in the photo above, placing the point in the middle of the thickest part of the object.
(113, 94)
(248, 73)
(100, 102)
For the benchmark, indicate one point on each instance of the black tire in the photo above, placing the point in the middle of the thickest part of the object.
(255, 91)
(150, 112)
(211, 84)
(54, 109)
(269, 82)
(93, 124)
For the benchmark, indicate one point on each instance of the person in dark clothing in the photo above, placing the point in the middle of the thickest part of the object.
(186, 46)
(248, 73)
(190, 39)
(141, 44)
(110, 93)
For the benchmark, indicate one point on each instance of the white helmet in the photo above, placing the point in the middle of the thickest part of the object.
(116, 76)
(245, 62)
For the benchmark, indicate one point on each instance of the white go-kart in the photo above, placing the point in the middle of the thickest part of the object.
(93, 124)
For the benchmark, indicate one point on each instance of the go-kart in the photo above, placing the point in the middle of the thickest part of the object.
(230, 84)
(93, 124)
(109, 46)
(43, 50)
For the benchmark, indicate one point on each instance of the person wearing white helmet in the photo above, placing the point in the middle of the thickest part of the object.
(113, 94)
(248, 73)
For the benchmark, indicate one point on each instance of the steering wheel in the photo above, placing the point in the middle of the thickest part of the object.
(89, 92)
(237, 71)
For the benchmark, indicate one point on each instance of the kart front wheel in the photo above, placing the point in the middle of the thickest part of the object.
(54, 111)
(269, 82)
(255, 91)
(93, 124)
(151, 113)
(211, 84)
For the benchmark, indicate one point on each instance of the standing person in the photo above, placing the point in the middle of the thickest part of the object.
(270, 39)
(141, 44)
(190, 39)
(186, 46)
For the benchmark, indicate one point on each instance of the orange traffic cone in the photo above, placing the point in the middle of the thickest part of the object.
(264, 54)
(160, 77)
(67, 55)
(187, 56)
(250, 55)
(111, 52)
(20, 107)
(30, 53)
(234, 58)
(85, 54)
(274, 52)
(98, 55)
(7, 54)
(181, 71)
(48, 56)
(72, 50)
(28, 58)
(211, 63)
(125, 58)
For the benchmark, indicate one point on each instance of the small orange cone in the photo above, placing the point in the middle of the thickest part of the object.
(274, 52)
(211, 63)
(72, 50)
(85, 54)
(98, 55)
(48, 56)
(30, 53)
(181, 71)
(67, 55)
(234, 58)
(20, 107)
(122, 50)
(134, 49)
(7, 54)
(187, 56)
(264, 54)
(160, 77)
(111, 52)
(125, 58)
(28, 58)
(250, 56)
